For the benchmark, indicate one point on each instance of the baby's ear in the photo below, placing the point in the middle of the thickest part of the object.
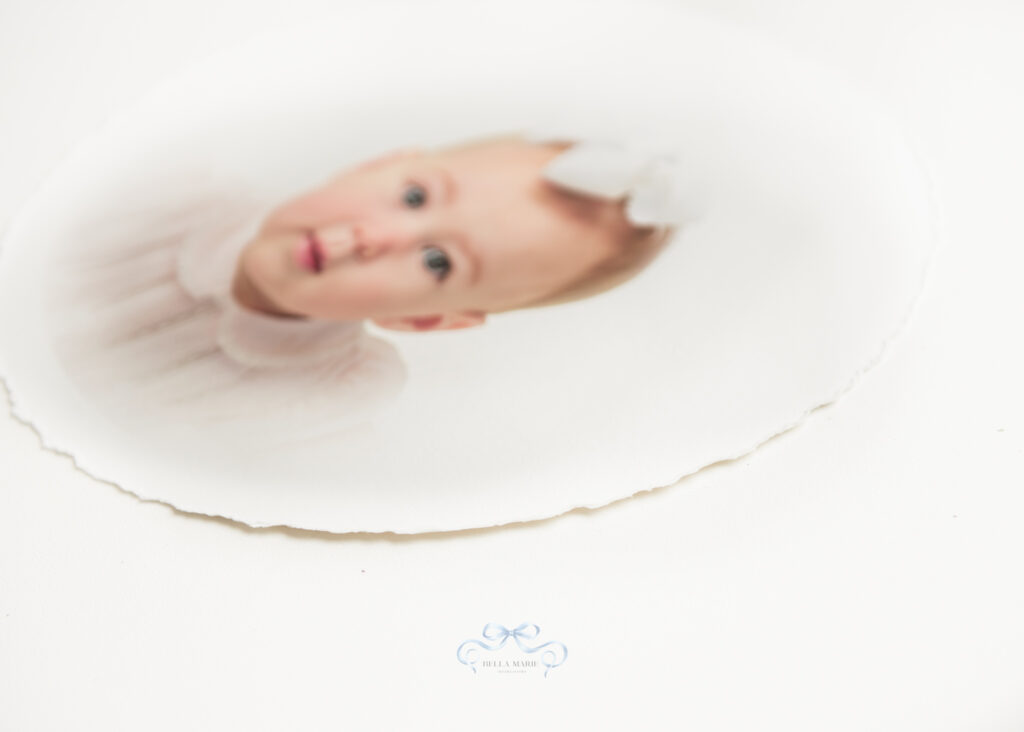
(449, 321)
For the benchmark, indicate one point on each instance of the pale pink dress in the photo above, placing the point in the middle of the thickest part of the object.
(145, 324)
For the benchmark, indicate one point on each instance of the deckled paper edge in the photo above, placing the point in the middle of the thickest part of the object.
(938, 234)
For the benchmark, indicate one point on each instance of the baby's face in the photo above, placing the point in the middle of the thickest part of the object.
(425, 239)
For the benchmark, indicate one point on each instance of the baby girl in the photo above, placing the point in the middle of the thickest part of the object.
(226, 309)
(422, 240)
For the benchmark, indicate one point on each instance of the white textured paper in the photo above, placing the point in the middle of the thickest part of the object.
(808, 243)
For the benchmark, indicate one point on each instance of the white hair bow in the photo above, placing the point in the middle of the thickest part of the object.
(652, 183)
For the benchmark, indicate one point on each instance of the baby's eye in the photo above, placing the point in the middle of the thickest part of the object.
(414, 196)
(436, 261)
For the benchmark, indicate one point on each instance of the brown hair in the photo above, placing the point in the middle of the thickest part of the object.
(635, 246)
(635, 250)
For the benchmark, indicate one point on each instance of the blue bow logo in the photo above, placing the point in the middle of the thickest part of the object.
(498, 635)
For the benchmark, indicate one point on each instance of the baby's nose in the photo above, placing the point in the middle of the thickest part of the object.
(346, 241)
(373, 241)
(337, 241)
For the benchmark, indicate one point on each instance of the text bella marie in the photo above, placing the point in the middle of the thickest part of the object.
(506, 663)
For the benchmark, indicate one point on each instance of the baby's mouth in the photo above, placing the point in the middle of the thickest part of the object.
(316, 251)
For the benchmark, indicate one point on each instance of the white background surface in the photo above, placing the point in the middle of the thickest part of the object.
(860, 572)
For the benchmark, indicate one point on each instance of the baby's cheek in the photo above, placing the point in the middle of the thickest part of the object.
(369, 288)
(315, 209)
(290, 215)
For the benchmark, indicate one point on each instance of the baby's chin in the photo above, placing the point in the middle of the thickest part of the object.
(264, 272)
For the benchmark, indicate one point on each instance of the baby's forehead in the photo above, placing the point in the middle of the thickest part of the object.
(500, 153)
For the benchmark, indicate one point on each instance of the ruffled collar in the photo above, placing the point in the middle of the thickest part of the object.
(206, 267)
